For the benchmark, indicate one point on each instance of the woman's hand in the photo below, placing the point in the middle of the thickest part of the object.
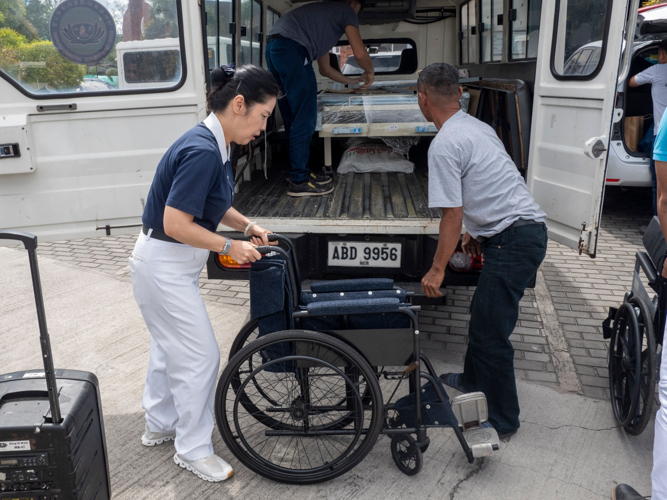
(244, 252)
(259, 236)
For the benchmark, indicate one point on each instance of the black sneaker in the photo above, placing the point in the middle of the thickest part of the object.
(320, 179)
(308, 189)
(625, 492)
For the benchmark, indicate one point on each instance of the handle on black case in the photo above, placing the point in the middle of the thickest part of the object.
(265, 249)
(28, 240)
(30, 243)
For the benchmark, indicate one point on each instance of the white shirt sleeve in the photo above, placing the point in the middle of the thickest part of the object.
(444, 181)
(647, 76)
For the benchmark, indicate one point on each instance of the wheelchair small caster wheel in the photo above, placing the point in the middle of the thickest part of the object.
(407, 456)
(424, 446)
(395, 423)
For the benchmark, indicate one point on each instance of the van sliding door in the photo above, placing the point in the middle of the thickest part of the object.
(577, 68)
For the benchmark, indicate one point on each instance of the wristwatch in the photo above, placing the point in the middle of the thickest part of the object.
(228, 246)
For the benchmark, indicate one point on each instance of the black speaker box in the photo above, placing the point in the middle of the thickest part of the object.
(52, 443)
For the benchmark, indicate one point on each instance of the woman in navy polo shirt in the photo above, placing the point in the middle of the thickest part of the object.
(192, 192)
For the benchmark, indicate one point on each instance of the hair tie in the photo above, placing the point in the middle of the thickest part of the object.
(229, 69)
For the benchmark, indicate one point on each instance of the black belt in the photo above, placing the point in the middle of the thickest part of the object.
(271, 38)
(159, 235)
(516, 223)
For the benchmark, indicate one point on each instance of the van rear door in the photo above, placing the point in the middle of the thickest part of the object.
(579, 60)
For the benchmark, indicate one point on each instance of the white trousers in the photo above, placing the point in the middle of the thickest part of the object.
(184, 354)
(659, 475)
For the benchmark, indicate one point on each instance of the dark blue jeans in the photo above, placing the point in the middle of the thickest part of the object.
(285, 60)
(511, 259)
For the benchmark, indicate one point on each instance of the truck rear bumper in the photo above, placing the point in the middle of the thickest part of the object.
(417, 252)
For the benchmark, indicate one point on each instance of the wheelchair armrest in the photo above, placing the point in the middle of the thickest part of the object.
(647, 266)
(365, 306)
(356, 285)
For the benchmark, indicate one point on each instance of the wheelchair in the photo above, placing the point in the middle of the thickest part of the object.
(635, 330)
(317, 375)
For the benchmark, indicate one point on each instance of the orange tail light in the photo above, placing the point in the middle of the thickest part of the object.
(227, 262)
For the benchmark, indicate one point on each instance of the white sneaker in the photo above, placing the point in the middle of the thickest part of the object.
(152, 438)
(212, 468)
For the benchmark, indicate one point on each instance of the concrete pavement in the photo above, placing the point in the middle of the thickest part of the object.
(568, 447)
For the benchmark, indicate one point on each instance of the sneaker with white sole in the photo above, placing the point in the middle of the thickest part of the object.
(212, 468)
(151, 438)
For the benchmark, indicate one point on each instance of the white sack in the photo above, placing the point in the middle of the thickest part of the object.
(364, 158)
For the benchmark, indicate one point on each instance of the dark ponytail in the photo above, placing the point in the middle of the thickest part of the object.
(255, 84)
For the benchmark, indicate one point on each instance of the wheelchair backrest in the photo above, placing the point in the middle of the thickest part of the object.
(654, 241)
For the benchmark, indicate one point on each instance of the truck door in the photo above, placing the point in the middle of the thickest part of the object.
(578, 64)
(92, 93)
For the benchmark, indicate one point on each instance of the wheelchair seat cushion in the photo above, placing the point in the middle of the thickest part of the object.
(365, 306)
(308, 296)
(356, 285)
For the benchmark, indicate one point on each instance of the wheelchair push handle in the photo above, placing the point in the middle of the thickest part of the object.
(292, 247)
(294, 284)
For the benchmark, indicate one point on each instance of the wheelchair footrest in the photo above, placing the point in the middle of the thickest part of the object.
(482, 441)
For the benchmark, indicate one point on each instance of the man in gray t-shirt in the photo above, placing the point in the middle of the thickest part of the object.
(298, 38)
(474, 181)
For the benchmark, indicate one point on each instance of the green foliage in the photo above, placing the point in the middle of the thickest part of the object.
(56, 72)
(164, 20)
(13, 15)
(10, 41)
(10, 38)
(38, 13)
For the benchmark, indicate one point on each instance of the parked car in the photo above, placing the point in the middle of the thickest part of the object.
(382, 61)
(628, 164)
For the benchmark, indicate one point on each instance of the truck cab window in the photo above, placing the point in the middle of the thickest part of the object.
(492, 30)
(271, 18)
(580, 32)
(251, 32)
(397, 57)
(525, 28)
(219, 41)
(468, 33)
(54, 47)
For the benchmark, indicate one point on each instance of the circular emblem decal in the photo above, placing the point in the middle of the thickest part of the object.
(83, 31)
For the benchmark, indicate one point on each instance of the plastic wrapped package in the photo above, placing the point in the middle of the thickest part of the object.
(401, 145)
(374, 115)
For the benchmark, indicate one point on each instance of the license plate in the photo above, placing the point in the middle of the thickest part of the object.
(360, 254)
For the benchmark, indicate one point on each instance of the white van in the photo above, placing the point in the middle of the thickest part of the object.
(79, 164)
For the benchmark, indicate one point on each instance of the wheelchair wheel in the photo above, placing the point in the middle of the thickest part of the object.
(407, 456)
(248, 333)
(632, 365)
(313, 435)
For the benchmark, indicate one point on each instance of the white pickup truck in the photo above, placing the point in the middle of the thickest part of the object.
(79, 164)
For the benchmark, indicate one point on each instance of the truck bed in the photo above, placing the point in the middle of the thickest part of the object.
(368, 196)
